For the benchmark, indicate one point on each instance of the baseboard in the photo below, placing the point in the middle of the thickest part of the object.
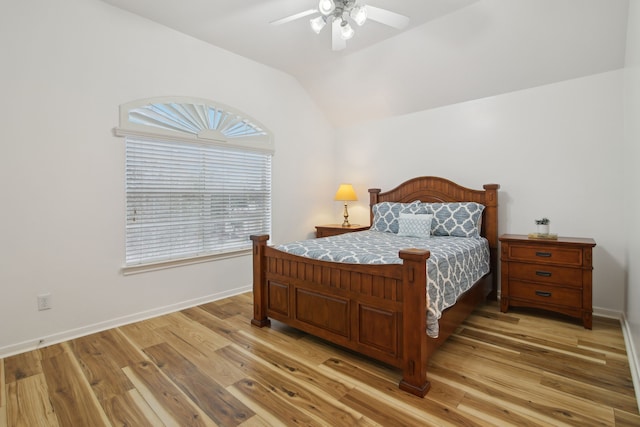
(29, 345)
(605, 312)
(634, 362)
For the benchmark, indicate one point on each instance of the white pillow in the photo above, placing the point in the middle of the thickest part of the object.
(415, 225)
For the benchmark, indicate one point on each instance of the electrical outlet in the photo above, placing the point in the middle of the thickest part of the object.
(44, 302)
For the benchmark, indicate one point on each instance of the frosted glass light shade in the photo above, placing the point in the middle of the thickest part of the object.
(346, 31)
(318, 23)
(359, 14)
(326, 7)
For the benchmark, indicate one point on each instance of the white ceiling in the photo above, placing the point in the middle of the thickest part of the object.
(452, 51)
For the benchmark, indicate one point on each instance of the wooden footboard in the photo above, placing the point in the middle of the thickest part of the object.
(376, 310)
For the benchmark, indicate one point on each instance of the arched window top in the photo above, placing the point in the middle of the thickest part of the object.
(193, 119)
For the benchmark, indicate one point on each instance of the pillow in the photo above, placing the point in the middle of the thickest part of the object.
(415, 225)
(386, 214)
(459, 219)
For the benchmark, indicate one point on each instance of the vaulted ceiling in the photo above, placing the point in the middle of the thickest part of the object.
(452, 51)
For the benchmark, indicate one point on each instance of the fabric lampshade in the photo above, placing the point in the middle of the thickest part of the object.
(346, 193)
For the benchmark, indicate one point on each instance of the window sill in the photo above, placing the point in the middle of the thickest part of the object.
(161, 265)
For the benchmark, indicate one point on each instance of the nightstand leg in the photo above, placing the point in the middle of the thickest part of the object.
(587, 320)
(504, 304)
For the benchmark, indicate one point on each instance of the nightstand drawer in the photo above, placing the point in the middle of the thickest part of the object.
(542, 273)
(546, 294)
(546, 254)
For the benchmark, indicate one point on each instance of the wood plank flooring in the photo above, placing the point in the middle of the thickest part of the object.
(207, 366)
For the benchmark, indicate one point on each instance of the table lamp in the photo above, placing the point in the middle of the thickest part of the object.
(345, 194)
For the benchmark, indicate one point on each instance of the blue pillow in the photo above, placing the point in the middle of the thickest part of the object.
(459, 219)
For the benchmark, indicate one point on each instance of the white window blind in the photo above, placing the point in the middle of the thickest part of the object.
(187, 199)
(198, 180)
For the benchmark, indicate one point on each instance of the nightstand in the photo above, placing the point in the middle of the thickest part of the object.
(335, 229)
(553, 275)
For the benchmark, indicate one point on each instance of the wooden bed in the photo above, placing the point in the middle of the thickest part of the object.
(377, 310)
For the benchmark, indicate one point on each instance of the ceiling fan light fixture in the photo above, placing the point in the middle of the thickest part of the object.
(346, 31)
(341, 14)
(318, 23)
(326, 7)
(359, 14)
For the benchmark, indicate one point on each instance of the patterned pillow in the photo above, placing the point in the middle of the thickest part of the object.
(415, 225)
(459, 219)
(386, 214)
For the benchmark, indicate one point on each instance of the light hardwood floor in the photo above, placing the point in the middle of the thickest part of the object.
(207, 366)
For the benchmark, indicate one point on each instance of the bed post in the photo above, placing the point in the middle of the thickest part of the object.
(491, 234)
(414, 322)
(259, 286)
(373, 199)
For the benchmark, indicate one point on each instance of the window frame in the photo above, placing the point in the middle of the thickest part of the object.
(196, 122)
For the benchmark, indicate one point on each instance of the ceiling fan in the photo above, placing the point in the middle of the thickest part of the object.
(340, 14)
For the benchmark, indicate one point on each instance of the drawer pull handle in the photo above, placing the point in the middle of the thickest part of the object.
(544, 254)
(543, 294)
(543, 273)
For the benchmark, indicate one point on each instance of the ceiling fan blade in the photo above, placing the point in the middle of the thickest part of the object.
(337, 42)
(293, 17)
(387, 17)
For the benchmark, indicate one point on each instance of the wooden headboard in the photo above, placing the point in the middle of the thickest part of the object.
(432, 189)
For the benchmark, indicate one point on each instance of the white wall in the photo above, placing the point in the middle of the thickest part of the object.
(632, 178)
(556, 151)
(66, 66)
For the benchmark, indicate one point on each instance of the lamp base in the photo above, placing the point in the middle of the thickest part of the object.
(346, 216)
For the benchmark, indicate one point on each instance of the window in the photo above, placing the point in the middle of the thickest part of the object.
(198, 180)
